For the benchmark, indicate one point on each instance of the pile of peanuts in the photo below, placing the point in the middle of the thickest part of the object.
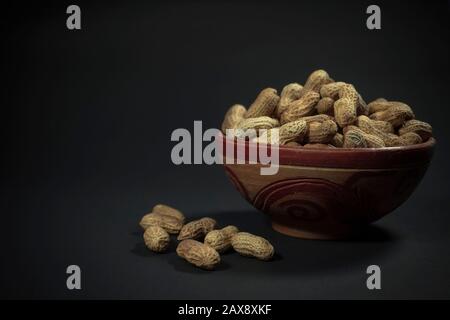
(325, 114)
(200, 242)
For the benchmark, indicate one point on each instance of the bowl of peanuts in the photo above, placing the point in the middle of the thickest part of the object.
(342, 163)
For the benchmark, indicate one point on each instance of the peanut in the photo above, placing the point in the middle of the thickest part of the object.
(166, 210)
(316, 118)
(234, 115)
(330, 110)
(220, 240)
(366, 125)
(264, 105)
(199, 254)
(250, 245)
(293, 131)
(258, 123)
(362, 108)
(156, 239)
(315, 81)
(372, 141)
(396, 114)
(321, 132)
(300, 108)
(325, 106)
(338, 140)
(354, 139)
(345, 108)
(383, 126)
(170, 224)
(197, 228)
(423, 129)
(289, 93)
(379, 104)
(331, 90)
(410, 138)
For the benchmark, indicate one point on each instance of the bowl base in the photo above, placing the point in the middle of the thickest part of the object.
(335, 232)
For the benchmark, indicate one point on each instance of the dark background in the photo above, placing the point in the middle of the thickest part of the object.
(86, 123)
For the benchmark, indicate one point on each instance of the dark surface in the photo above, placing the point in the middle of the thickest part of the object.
(86, 144)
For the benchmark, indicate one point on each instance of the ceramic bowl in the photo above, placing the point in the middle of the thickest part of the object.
(329, 193)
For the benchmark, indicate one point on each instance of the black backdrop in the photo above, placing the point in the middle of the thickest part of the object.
(86, 123)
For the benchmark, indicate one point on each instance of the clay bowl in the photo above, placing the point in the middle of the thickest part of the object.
(328, 193)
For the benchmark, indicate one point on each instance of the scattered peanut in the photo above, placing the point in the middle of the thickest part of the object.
(156, 239)
(220, 240)
(250, 245)
(166, 210)
(168, 223)
(203, 255)
(199, 254)
(197, 229)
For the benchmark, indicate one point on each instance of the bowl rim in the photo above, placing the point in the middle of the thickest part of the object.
(367, 158)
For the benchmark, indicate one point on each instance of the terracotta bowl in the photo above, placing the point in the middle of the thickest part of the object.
(329, 193)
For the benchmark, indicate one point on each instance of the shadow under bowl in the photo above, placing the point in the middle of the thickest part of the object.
(327, 193)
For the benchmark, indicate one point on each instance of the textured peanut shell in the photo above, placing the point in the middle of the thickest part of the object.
(315, 81)
(338, 140)
(198, 254)
(156, 239)
(234, 115)
(220, 240)
(321, 132)
(316, 118)
(383, 126)
(258, 123)
(366, 125)
(184, 246)
(331, 90)
(289, 93)
(345, 108)
(354, 139)
(423, 129)
(300, 108)
(170, 224)
(197, 229)
(250, 245)
(396, 114)
(381, 104)
(169, 211)
(410, 138)
(292, 131)
(372, 140)
(264, 105)
(325, 106)
(362, 108)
